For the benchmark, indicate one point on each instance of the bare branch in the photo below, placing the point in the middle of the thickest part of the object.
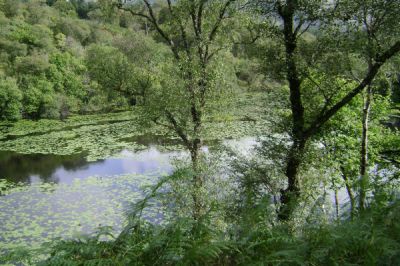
(297, 29)
(306, 28)
(219, 20)
(152, 19)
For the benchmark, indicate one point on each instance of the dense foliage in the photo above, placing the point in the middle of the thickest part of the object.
(49, 56)
(315, 82)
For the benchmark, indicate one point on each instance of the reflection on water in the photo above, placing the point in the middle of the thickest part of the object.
(33, 168)
(88, 194)
(30, 168)
(24, 167)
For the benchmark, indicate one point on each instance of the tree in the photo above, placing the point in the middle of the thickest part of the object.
(338, 26)
(72, 27)
(343, 138)
(67, 74)
(195, 32)
(112, 70)
(38, 97)
(83, 7)
(10, 99)
(369, 16)
(9, 7)
(65, 7)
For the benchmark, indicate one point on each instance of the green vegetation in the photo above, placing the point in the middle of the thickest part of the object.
(307, 90)
(46, 70)
(372, 239)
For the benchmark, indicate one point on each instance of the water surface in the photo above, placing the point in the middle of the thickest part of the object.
(30, 168)
(67, 195)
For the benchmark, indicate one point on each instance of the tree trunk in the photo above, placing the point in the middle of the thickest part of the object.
(195, 151)
(146, 28)
(290, 195)
(337, 207)
(364, 179)
(337, 204)
(197, 183)
(349, 192)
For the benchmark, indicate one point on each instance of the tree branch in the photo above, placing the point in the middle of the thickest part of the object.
(181, 28)
(219, 20)
(152, 19)
(178, 129)
(325, 116)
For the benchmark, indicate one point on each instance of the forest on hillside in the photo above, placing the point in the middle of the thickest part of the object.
(199, 132)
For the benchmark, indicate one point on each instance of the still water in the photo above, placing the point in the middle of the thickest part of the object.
(33, 168)
(68, 196)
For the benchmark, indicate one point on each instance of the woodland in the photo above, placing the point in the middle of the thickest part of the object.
(307, 90)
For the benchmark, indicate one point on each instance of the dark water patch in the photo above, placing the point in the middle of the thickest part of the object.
(47, 168)
(17, 167)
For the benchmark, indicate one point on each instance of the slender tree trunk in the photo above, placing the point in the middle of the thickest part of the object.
(195, 152)
(364, 179)
(146, 28)
(197, 184)
(337, 204)
(349, 192)
(336, 200)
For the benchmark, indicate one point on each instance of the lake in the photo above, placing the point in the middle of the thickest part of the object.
(64, 196)
(70, 195)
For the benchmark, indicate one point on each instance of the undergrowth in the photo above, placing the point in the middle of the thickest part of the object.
(372, 238)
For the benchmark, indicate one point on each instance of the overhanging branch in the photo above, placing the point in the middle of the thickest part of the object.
(325, 116)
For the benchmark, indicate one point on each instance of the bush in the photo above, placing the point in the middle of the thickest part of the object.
(38, 96)
(10, 99)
